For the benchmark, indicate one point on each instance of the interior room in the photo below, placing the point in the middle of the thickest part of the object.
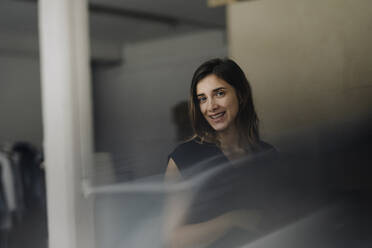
(95, 96)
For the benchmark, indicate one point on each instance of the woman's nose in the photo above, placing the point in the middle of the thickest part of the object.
(212, 105)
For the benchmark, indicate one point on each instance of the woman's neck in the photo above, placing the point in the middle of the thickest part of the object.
(230, 144)
(229, 139)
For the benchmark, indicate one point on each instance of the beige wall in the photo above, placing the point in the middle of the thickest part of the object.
(309, 62)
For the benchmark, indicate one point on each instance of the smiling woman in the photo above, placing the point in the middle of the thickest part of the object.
(226, 133)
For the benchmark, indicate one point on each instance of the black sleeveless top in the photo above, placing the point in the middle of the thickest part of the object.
(262, 181)
(194, 152)
(224, 185)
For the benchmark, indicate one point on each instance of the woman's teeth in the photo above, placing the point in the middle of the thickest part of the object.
(217, 115)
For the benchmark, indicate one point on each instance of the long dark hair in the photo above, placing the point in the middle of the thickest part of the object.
(246, 120)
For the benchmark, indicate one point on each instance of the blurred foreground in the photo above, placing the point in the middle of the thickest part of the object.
(306, 200)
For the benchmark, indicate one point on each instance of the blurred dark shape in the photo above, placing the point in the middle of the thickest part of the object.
(180, 114)
(345, 152)
(22, 196)
(28, 159)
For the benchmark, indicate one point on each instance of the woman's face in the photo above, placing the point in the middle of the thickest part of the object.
(218, 102)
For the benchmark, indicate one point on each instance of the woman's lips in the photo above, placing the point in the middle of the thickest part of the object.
(217, 117)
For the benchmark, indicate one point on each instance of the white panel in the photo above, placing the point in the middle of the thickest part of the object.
(67, 120)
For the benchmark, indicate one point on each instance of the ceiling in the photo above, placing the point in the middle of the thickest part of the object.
(122, 20)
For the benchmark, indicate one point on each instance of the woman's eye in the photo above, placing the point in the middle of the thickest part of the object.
(202, 99)
(220, 93)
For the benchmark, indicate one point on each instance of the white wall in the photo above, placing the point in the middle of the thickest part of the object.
(20, 101)
(133, 102)
(20, 92)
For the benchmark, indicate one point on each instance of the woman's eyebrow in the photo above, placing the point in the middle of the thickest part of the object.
(219, 88)
(214, 90)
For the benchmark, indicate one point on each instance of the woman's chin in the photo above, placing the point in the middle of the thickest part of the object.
(219, 128)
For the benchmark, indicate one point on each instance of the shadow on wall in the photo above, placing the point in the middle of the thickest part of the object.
(180, 117)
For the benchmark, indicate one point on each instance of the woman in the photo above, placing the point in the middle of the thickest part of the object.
(226, 131)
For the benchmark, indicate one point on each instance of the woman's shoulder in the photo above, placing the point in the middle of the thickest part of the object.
(189, 143)
(191, 152)
(264, 146)
(266, 152)
(193, 144)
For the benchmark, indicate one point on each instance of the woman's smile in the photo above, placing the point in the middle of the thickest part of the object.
(218, 117)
